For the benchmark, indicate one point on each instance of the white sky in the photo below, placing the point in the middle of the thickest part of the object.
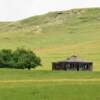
(19, 9)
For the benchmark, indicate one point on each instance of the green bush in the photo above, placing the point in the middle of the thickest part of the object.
(20, 59)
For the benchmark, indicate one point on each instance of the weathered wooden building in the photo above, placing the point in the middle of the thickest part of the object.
(73, 64)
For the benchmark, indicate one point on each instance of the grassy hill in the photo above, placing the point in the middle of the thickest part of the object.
(56, 35)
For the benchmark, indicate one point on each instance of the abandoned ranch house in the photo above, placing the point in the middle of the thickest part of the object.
(73, 64)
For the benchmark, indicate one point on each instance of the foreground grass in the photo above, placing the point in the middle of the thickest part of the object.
(50, 91)
(13, 74)
(12, 86)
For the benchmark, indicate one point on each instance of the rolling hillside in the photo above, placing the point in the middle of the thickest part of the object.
(56, 35)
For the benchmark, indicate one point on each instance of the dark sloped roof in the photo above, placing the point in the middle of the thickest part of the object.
(75, 59)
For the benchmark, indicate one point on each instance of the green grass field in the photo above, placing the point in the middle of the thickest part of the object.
(54, 36)
(48, 85)
(50, 91)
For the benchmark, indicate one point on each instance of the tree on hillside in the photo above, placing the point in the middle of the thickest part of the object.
(19, 59)
(25, 59)
(5, 57)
